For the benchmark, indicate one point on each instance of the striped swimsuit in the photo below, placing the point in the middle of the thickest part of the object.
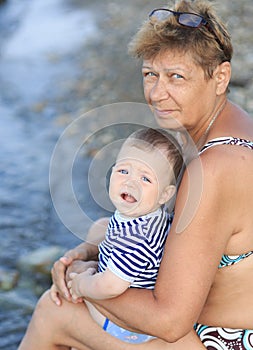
(133, 250)
(217, 338)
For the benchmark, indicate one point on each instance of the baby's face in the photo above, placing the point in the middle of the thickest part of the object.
(139, 180)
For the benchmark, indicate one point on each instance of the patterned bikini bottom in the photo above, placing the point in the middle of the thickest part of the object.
(216, 338)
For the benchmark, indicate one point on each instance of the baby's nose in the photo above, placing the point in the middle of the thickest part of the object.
(132, 182)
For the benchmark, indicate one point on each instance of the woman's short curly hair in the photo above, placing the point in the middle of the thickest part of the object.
(156, 36)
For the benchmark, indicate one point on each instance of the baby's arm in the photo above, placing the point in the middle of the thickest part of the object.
(101, 285)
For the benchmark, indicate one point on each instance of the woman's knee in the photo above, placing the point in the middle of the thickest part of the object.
(44, 310)
(44, 302)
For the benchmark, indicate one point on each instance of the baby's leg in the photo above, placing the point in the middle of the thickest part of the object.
(95, 314)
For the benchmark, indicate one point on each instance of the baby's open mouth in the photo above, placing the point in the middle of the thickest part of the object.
(128, 197)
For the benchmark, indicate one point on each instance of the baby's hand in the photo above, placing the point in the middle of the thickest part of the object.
(77, 283)
(71, 286)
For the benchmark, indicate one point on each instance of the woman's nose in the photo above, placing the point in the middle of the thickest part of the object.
(159, 91)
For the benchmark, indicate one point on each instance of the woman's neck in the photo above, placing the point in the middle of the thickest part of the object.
(200, 140)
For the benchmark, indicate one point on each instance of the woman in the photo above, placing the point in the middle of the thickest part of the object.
(205, 275)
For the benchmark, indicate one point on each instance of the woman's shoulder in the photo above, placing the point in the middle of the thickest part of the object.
(221, 165)
(227, 155)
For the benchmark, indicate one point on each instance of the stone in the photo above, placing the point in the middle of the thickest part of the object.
(40, 260)
(8, 279)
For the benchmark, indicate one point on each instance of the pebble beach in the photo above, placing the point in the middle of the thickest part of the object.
(95, 71)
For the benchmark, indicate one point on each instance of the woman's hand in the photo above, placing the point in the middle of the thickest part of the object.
(60, 275)
(79, 266)
(59, 288)
(77, 260)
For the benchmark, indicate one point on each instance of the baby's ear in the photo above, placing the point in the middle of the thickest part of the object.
(167, 194)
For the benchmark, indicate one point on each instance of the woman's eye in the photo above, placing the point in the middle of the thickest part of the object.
(148, 74)
(123, 171)
(177, 76)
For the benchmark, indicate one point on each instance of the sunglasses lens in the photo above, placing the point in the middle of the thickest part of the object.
(186, 19)
(190, 20)
(160, 15)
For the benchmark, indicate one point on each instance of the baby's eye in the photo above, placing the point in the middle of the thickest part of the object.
(145, 179)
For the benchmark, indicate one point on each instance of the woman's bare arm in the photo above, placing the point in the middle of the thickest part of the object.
(189, 264)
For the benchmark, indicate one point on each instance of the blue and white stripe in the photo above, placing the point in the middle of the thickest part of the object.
(133, 248)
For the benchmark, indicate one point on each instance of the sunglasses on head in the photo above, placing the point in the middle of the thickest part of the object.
(186, 19)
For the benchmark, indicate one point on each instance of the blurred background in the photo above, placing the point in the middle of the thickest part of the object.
(58, 60)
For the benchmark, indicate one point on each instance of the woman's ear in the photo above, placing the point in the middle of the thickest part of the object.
(222, 76)
(167, 194)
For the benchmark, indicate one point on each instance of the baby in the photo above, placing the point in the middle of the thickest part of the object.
(143, 179)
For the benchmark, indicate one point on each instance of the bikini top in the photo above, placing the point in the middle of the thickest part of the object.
(227, 141)
(228, 260)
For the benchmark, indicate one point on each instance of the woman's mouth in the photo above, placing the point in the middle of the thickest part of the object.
(163, 113)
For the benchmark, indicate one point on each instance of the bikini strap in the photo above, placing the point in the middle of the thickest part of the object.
(228, 260)
(227, 141)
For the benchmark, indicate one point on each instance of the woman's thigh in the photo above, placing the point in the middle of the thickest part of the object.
(64, 327)
(71, 326)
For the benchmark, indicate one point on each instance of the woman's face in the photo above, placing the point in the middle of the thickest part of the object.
(177, 92)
